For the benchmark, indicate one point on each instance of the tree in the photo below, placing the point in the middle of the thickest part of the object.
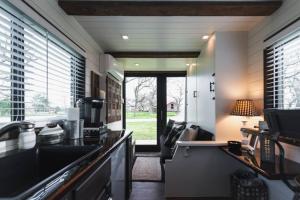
(139, 90)
(5, 106)
(40, 103)
(151, 98)
(291, 82)
(177, 94)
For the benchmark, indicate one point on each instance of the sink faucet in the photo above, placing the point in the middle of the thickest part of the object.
(17, 135)
(9, 131)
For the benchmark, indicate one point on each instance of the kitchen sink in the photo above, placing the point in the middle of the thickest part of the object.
(26, 168)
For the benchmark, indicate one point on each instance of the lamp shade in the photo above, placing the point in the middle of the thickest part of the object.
(244, 107)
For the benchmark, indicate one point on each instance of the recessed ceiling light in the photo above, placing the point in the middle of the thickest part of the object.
(137, 64)
(125, 37)
(205, 37)
(187, 64)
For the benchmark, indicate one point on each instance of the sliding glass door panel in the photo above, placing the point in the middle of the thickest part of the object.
(141, 109)
(176, 89)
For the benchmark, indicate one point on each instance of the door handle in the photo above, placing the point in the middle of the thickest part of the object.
(195, 94)
(211, 86)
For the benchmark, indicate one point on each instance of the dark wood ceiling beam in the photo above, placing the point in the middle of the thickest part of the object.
(154, 54)
(170, 8)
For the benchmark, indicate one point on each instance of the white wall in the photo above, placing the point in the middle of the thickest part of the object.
(67, 24)
(289, 11)
(231, 82)
(224, 54)
(206, 115)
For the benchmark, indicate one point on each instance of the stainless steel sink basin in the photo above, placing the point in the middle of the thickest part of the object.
(23, 170)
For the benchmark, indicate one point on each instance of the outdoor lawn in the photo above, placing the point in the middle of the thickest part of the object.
(145, 115)
(143, 124)
(142, 130)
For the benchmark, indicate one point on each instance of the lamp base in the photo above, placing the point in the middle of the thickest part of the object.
(244, 123)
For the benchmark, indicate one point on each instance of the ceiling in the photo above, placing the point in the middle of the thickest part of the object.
(155, 33)
(156, 64)
(159, 33)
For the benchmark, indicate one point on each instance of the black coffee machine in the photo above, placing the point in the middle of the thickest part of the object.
(90, 112)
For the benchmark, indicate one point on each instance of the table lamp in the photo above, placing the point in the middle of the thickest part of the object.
(245, 108)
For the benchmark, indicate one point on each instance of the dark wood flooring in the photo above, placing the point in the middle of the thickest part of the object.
(147, 191)
(155, 191)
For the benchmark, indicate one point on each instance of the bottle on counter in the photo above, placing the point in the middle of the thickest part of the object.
(27, 136)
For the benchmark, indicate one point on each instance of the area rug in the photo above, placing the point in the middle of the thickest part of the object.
(146, 169)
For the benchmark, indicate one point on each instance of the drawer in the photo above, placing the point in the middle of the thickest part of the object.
(95, 184)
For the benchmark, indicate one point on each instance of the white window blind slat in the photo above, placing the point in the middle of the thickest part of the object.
(282, 73)
(37, 74)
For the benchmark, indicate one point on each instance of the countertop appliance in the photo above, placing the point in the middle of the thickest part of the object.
(92, 135)
(90, 111)
(51, 134)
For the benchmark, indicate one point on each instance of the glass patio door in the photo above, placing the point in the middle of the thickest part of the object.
(175, 104)
(141, 109)
(151, 99)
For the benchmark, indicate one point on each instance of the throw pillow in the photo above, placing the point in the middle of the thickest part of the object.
(174, 134)
(168, 127)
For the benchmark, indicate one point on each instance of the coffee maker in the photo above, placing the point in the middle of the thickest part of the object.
(90, 111)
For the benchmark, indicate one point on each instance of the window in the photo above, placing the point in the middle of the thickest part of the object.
(39, 75)
(282, 73)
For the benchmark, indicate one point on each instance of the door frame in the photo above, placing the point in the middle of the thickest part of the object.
(161, 102)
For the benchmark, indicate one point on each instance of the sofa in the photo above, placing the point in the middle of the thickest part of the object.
(175, 131)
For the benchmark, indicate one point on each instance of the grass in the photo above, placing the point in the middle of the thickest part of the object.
(142, 130)
(145, 115)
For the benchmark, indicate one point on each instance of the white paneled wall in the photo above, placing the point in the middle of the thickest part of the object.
(68, 25)
(289, 11)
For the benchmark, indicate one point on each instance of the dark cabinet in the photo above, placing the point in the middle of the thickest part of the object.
(110, 179)
(129, 165)
(118, 176)
(96, 185)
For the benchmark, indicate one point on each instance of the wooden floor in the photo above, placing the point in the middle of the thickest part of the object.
(147, 191)
(155, 191)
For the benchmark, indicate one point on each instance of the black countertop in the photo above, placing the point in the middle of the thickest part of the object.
(32, 178)
(270, 171)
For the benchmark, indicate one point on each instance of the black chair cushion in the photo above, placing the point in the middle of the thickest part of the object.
(165, 152)
(168, 127)
(174, 134)
(204, 135)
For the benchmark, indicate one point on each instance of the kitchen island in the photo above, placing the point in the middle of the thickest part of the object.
(74, 169)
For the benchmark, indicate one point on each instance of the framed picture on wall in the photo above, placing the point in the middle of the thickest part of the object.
(114, 100)
(95, 84)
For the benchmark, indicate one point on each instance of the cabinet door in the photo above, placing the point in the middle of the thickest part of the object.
(205, 86)
(118, 176)
(191, 108)
(94, 185)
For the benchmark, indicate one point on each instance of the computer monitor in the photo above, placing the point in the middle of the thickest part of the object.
(284, 125)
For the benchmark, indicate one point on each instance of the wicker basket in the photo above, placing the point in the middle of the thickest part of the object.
(245, 186)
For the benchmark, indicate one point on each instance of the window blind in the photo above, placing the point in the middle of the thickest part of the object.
(39, 75)
(282, 73)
